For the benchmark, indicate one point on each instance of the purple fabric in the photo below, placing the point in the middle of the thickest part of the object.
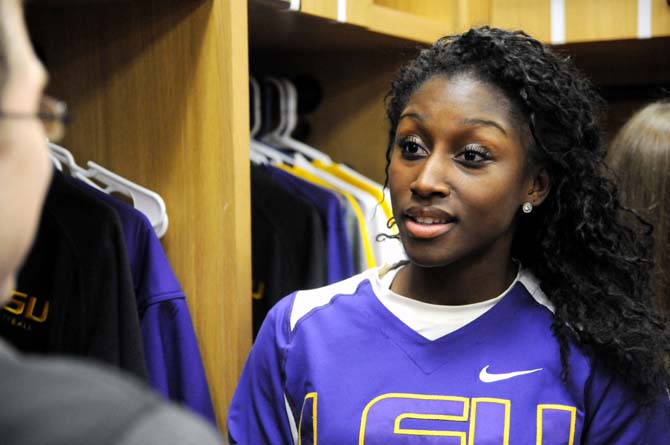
(171, 349)
(351, 372)
(340, 264)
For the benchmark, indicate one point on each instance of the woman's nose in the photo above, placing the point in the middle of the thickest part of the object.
(432, 178)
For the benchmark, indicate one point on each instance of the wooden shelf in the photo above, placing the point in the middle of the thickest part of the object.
(272, 26)
(420, 21)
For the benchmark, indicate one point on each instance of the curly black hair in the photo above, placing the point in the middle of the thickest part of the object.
(588, 252)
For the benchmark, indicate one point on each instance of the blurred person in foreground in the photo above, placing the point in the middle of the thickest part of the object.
(47, 400)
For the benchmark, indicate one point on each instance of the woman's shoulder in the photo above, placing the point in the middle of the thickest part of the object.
(295, 308)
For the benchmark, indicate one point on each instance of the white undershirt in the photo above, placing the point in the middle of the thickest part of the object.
(433, 321)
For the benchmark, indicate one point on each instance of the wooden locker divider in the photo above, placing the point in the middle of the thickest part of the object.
(660, 18)
(159, 94)
(531, 16)
(407, 19)
(600, 20)
(321, 8)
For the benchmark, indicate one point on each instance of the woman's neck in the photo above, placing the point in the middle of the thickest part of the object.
(465, 282)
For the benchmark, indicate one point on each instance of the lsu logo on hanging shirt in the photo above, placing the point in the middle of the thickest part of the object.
(394, 418)
(25, 310)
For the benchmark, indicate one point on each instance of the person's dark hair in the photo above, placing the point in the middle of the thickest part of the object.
(593, 267)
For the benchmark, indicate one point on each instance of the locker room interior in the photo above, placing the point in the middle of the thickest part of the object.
(159, 92)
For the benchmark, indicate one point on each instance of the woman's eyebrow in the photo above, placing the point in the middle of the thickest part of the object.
(415, 116)
(483, 122)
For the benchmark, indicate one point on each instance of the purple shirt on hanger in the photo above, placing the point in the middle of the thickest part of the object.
(171, 349)
(340, 261)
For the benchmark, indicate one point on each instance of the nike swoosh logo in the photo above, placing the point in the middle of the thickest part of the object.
(487, 377)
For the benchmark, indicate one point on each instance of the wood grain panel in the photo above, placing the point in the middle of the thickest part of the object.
(321, 8)
(474, 13)
(454, 15)
(424, 20)
(600, 20)
(531, 16)
(273, 27)
(158, 93)
(660, 18)
(351, 124)
(411, 26)
(357, 12)
(442, 10)
(418, 21)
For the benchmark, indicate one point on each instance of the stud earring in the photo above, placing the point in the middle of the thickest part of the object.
(527, 207)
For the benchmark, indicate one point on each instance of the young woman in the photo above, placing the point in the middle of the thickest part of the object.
(640, 157)
(522, 315)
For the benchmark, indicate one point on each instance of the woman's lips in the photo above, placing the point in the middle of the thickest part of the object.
(424, 230)
(428, 222)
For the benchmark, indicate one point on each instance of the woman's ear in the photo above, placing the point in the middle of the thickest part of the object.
(539, 186)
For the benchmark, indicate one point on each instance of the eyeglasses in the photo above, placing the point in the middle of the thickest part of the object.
(53, 114)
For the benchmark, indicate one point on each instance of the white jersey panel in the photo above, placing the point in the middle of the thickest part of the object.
(307, 300)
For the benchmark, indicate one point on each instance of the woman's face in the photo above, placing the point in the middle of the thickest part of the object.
(457, 175)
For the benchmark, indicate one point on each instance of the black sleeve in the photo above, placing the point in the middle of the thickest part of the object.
(101, 319)
(287, 241)
(114, 327)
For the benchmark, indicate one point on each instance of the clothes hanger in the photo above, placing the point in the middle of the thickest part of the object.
(66, 159)
(281, 134)
(148, 202)
(254, 155)
(55, 162)
(273, 135)
(260, 152)
(255, 106)
(291, 97)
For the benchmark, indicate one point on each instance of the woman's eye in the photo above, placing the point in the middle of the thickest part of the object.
(474, 154)
(411, 148)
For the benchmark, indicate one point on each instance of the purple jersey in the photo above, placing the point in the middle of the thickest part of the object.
(335, 366)
(171, 350)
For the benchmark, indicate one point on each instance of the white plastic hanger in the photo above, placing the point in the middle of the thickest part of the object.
(255, 106)
(260, 152)
(255, 156)
(291, 97)
(148, 202)
(281, 134)
(56, 162)
(273, 136)
(64, 156)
